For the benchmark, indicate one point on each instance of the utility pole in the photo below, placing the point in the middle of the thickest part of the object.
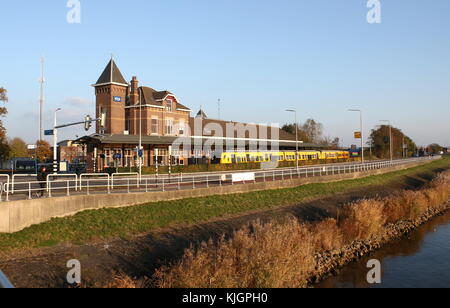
(41, 102)
(140, 151)
(296, 136)
(219, 102)
(55, 145)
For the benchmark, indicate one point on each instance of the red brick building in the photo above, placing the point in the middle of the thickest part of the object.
(165, 121)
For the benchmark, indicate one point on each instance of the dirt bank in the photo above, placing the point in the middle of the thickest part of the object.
(329, 263)
(140, 255)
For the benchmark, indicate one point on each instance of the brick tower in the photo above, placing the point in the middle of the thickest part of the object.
(111, 94)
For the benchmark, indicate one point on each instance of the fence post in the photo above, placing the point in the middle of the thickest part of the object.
(146, 185)
(163, 187)
(49, 187)
(29, 190)
(68, 188)
(128, 181)
(207, 181)
(87, 187)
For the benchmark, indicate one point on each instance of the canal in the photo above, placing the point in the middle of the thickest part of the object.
(420, 260)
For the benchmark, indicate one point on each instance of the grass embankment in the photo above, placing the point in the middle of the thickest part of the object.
(124, 222)
(289, 254)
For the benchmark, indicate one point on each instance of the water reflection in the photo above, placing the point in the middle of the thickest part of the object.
(420, 260)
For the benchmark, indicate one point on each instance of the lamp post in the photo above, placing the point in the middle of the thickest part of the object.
(362, 133)
(391, 150)
(55, 144)
(140, 135)
(296, 135)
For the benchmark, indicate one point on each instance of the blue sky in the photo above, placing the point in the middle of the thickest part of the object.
(260, 57)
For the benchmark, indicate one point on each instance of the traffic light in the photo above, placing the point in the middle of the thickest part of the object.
(87, 123)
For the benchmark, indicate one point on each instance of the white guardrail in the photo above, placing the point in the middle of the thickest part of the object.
(70, 184)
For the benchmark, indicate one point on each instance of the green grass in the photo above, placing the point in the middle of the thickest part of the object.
(105, 224)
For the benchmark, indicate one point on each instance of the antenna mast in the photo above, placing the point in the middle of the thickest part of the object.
(41, 102)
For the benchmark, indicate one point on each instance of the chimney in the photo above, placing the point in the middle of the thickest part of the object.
(134, 91)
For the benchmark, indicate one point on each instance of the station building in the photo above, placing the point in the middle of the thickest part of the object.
(168, 132)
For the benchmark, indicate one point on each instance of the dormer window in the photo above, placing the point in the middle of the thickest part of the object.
(169, 105)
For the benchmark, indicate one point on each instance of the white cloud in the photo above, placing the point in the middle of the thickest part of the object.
(78, 102)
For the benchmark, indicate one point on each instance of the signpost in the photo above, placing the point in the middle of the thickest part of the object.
(34, 147)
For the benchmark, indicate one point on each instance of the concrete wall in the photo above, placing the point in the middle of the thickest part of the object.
(18, 215)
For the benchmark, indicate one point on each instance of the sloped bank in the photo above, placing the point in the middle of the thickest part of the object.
(18, 215)
(294, 254)
(329, 263)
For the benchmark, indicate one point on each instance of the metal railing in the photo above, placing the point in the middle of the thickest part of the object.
(131, 183)
(4, 282)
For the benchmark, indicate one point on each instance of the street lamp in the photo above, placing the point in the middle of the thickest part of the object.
(55, 144)
(140, 135)
(296, 135)
(391, 150)
(362, 133)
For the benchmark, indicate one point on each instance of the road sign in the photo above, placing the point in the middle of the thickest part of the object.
(140, 153)
(32, 147)
(358, 135)
(117, 156)
(49, 132)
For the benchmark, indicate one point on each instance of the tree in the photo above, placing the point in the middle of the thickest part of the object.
(4, 148)
(435, 149)
(380, 143)
(18, 148)
(313, 130)
(44, 151)
(309, 132)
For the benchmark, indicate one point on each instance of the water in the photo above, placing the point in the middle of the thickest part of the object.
(422, 260)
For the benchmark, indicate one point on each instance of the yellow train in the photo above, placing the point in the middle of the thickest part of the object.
(259, 157)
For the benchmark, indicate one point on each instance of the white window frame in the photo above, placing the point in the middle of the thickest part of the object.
(168, 127)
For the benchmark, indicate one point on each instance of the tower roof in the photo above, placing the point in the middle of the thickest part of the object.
(201, 114)
(111, 74)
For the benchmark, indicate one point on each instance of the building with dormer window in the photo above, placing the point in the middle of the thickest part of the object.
(162, 120)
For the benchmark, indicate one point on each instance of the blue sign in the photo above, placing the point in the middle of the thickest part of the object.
(117, 99)
(117, 156)
(49, 132)
(140, 153)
